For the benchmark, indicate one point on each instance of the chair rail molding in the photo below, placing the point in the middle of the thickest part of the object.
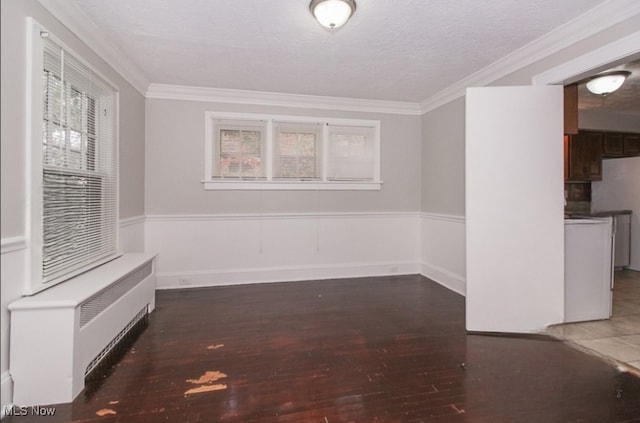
(14, 243)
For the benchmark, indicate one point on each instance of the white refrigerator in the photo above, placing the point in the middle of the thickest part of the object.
(589, 244)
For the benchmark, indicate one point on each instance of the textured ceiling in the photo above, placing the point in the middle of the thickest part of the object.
(400, 50)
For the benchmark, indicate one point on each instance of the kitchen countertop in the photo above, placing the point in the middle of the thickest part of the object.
(610, 213)
(596, 214)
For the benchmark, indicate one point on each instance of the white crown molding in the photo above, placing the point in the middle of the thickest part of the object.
(593, 21)
(599, 18)
(85, 30)
(595, 60)
(262, 98)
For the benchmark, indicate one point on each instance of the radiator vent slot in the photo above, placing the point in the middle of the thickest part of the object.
(118, 346)
(103, 299)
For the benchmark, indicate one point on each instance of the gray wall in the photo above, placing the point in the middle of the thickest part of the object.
(131, 153)
(443, 159)
(13, 162)
(175, 136)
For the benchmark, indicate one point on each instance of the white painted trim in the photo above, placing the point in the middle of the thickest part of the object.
(278, 216)
(33, 153)
(221, 95)
(129, 221)
(445, 217)
(449, 280)
(6, 387)
(89, 33)
(571, 71)
(593, 21)
(219, 184)
(442, 246)
(199, 279)
(14, 243)
(267, 182)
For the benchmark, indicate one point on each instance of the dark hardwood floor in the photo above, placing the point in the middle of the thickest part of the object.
(357, 350)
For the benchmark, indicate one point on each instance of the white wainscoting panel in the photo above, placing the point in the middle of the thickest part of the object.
(234, 249)
(443, 250)
(7, 392)
(13, 268)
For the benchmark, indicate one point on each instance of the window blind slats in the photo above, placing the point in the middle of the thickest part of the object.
(351, 153)
(80, 166)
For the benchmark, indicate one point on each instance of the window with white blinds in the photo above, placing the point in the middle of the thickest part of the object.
(351, 155)
(78, 165)
(246, 151)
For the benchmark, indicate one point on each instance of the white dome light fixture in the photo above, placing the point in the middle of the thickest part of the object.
(607, 83)
(332, 14)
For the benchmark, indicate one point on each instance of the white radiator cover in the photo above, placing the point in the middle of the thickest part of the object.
(58, 332)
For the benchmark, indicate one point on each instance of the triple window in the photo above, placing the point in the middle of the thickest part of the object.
(246, 151)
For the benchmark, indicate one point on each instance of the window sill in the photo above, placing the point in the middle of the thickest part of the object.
(292, 186)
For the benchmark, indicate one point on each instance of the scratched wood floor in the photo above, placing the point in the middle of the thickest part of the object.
(359, 350)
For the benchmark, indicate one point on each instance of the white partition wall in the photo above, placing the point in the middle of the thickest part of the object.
(514, 208)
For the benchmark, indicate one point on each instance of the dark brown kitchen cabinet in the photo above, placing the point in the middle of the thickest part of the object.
(613, 144)
(632, 145)
(620, 144)
(585, 157)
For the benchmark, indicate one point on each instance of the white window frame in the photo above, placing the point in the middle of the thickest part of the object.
(34, 159)
(268, 183)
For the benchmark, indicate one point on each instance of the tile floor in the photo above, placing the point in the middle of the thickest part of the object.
(616, 339)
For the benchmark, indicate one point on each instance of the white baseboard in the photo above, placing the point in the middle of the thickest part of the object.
(6, 390)
(442, 249)
(176, 280)
(448, 279)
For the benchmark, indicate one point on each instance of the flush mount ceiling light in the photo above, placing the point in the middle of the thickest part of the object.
(332, 14)
(607, 83)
